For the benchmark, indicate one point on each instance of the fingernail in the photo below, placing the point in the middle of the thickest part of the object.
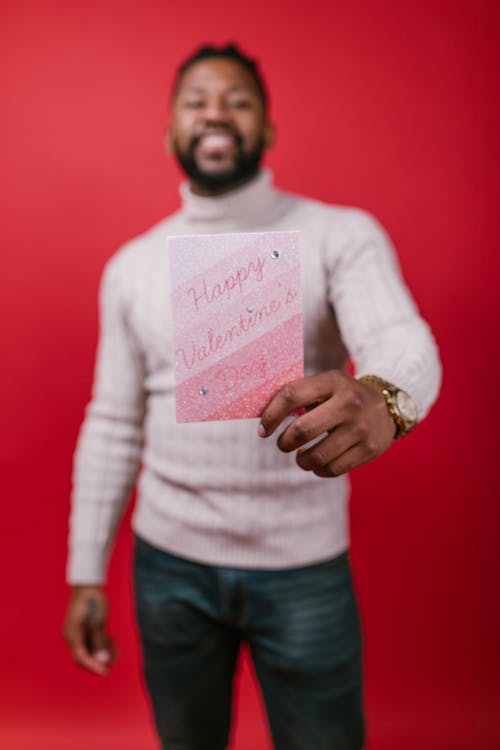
(262, 430)
(102, 656)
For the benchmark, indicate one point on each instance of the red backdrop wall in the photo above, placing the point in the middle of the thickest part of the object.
(392, 106)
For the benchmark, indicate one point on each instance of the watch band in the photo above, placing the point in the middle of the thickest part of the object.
(399, 404)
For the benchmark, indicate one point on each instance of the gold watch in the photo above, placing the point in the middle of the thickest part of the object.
(399, 404)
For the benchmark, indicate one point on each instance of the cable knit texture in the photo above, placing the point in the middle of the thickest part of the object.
(215, 492)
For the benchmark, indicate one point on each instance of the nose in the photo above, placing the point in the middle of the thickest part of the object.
(215, 111)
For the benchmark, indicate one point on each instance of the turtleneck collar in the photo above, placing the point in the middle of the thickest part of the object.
(254, 197)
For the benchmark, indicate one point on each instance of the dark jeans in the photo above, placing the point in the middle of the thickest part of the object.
(301, 626)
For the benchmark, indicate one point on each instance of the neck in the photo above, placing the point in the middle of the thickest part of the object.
(253, 197)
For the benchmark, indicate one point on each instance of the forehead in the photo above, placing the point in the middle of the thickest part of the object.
(218, 75)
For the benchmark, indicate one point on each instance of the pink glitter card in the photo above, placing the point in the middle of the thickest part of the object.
(237, 321)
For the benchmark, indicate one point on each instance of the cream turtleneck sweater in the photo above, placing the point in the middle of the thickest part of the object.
(216, 492)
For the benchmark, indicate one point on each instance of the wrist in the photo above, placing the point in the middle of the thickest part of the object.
(400, 406)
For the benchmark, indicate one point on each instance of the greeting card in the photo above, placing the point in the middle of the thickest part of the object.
(237, 321)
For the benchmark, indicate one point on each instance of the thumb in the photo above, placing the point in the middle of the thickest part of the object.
(100, 646)
(99, 643)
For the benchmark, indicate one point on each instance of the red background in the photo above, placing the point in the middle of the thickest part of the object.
(392, 106)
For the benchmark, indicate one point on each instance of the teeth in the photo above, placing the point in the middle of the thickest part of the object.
(216, 140)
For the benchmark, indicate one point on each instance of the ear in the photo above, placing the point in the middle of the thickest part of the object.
(269, 134)
(168, 139)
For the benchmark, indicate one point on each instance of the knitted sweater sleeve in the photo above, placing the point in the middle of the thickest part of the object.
(110, 441)
(378, 319)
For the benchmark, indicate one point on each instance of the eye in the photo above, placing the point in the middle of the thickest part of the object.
(194, 104)
(240, 104)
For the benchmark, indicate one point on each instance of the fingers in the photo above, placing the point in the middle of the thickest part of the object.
(323, 418)
(325, 451)
(78, 638)
(298, 394)
(335, 455)
(94, 662)
(100, 645)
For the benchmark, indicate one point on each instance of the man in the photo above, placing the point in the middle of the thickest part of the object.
(237, 538)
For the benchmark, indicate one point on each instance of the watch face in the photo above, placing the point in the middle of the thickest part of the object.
(406, 407)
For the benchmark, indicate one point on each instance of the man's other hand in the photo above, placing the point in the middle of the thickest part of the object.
(347, 419)
(85, 629)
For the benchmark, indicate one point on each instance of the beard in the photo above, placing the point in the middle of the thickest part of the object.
(246, 165)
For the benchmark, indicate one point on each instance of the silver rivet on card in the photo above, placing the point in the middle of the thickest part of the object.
(274, 254)
(203, 391)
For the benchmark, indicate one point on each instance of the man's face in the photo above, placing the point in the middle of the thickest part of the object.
(219, 127)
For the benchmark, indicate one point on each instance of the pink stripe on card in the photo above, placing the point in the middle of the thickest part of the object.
(254, 402)
(244, 372)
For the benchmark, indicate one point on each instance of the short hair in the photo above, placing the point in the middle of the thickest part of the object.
(227, 52)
